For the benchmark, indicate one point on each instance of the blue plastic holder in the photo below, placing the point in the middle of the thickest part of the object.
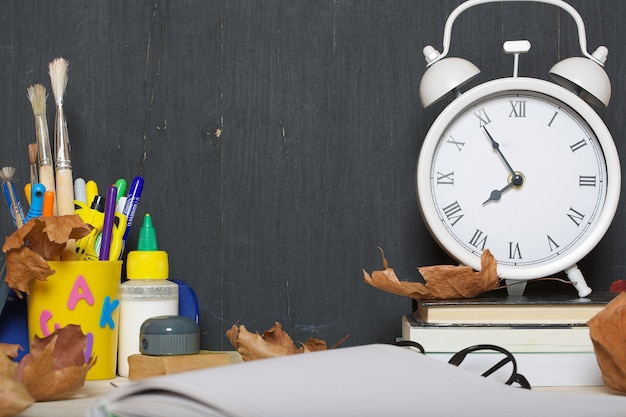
(14, 320)
(187, 301)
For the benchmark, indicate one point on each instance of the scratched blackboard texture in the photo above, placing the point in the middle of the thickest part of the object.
(278, 139)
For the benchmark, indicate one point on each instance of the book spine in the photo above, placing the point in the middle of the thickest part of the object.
(515, 339)
(540, 369)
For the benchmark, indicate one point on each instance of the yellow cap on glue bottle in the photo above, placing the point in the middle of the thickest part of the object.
(147, 262)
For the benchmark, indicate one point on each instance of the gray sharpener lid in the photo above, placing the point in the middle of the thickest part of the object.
(169, 335)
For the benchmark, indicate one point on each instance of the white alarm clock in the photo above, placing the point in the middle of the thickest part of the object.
(520, 166)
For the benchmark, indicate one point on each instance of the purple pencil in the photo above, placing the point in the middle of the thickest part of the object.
(107, 228)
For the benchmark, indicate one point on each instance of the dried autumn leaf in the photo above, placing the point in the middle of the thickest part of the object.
(608, 335)
(253, 346)
(10, 349)
(442, 281)
(38, 241)
(617, 286)
(23, 265)
(233, 334)
(278, 337)
(56, 364)
(274, 342)
(48, 235)
(14, 397)
(314, 345)
(13, 394)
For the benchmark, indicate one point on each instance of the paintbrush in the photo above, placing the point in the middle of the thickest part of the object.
(37, 96)
(34, 177)
(63, 164)
(8, 188)
(32, 160)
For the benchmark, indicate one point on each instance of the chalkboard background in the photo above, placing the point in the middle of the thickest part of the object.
(278, 139)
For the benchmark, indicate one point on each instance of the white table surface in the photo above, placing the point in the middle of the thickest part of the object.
(77, 403)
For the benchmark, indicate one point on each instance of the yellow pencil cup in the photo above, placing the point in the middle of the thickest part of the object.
(83, 293)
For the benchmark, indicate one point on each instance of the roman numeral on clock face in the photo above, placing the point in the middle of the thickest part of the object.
(518, 108)
(587, 180)
(459, 145)
(514, 251)
(478, 240)
(575, 216)
(552, 244)
(445, 179)
(453, 212)
(552, 119)
(483, 118)
(578, 145)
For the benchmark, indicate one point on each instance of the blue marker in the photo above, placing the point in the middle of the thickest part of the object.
(134, 194)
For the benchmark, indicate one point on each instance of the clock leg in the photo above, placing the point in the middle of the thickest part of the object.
(574, 275)
(515, 287)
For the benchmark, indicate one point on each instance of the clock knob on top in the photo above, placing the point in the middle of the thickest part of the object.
(585, 76)
(443, 75)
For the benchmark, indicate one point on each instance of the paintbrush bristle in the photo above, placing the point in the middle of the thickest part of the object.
(32, 153)
(37, 96)
(58, 78)
(6, 174)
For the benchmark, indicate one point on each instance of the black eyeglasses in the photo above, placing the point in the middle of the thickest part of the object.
(458, 358)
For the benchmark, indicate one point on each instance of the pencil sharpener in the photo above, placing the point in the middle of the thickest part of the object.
(169, 335)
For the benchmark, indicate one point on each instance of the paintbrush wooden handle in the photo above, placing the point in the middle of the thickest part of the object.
(64, 192)
(46, 177)
(65, 206)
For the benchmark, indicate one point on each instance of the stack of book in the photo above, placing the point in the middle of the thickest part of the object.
(546, 333)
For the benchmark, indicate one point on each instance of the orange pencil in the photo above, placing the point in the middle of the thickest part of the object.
(48, 204)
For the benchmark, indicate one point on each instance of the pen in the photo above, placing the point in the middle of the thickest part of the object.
(80, 191)
(121, 203)
(119, 225)
(93, 216)
(88, 247)
(107, 228)
(121, 188)
(27, 192)
(92, 250)
(91, 189)
(134, 195)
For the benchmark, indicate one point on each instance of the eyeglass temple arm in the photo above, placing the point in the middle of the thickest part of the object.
(459, 357)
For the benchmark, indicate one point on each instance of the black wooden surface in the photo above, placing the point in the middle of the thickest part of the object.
(278, 139)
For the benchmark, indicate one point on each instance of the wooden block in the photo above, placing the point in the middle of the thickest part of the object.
(144, 366)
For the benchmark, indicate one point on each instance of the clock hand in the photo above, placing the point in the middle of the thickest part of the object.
(517, 180)
(496, 146)
(496, 194)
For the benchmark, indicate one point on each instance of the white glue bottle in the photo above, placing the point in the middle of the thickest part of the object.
(147, 293)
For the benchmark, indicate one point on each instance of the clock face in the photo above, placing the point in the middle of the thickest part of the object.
(512, 168)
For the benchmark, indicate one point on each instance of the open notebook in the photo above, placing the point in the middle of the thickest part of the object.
(371, 380)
